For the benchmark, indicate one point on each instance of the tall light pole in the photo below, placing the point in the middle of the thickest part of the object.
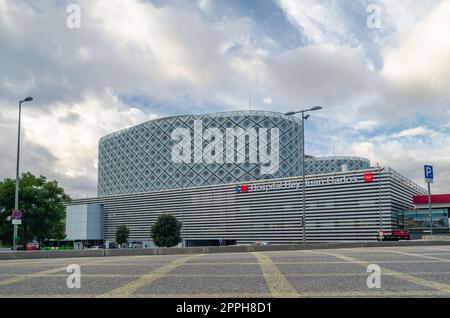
(182, 212)
(379, 195)
(16, 199)
(303, 111)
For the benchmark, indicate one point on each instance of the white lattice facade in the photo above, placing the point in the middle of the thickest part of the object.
(141, 158)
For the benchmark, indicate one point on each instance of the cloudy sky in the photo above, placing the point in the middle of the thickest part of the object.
(380, 69)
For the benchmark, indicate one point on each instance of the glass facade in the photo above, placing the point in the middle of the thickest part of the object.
(420, 219)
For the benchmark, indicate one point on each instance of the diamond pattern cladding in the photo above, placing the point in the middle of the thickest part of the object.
(138, 159)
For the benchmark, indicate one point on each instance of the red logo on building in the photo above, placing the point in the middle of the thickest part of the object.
(368, 177)
(244, 188)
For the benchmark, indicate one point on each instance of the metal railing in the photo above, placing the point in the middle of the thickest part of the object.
(405, 180)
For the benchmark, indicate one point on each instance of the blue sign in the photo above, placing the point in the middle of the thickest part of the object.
(428, 173)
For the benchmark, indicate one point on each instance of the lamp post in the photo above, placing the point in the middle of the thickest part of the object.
(182, 212)
(379, 195)
(16, 198)
(303, 111)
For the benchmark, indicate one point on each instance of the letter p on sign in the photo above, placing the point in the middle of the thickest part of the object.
(428, 173)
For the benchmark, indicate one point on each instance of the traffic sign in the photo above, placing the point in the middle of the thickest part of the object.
(428, 170)
(17, 214)
(17, 222)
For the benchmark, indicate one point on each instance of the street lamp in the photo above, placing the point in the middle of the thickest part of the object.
(16, 199)
(303, 111)
(379, 196)
(183, 243)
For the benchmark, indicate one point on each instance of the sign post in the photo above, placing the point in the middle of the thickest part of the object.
(428, 170)
(16, 216)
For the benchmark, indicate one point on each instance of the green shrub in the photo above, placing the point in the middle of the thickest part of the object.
(166, 231)
(122, 234)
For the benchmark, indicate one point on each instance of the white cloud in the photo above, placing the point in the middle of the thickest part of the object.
(412, 132)
(205, 5)
(178, 50)
(320, 21)
(66, 137)
(335, 77)
(418, 69)
(367, 125)
(399, 18)
(123, 47)
(407, 153)
(267, 100)
(365, 150)
(75, 144)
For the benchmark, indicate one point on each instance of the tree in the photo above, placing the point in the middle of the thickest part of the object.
(122, 233)
(42, 204)
(166, 231)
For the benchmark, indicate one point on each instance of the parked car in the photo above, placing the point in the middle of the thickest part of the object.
(32, 247)
(393, 235)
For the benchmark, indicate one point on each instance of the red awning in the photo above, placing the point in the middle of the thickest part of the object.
(435, 198)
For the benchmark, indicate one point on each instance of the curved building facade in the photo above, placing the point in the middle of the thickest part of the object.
(234, 178)
(199, 150)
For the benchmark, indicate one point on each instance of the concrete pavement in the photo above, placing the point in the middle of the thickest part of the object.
(419, 271)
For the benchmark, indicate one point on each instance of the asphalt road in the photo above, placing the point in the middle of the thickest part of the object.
(405, 272)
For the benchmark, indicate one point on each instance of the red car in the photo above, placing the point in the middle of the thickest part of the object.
(31, 247)
(393, 235)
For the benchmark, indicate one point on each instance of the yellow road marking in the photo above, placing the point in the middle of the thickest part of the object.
(62, 261)
(21, 277)
(440, 259)
(37, 262)
(437, 253)
(374, 293)
(18, 278)
(311, 262)
(444, 288)
(240, 264)
(48, 296)
(278, 285)
(338, 294)
(359, 274)
(225, 275)
(440, 250)
(128, 289)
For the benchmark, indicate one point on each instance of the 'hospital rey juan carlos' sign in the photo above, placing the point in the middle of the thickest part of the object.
(285, 185)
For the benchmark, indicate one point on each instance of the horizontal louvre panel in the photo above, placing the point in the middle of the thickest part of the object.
(338, 212)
